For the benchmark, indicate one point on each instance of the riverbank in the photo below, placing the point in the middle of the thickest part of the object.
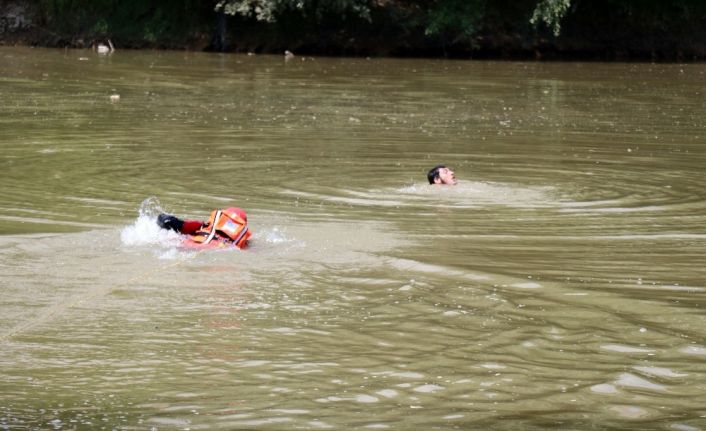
(601, 30)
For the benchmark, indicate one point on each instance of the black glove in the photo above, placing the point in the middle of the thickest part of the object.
(166, 221)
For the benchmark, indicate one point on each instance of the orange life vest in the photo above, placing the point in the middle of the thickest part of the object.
(224, 227)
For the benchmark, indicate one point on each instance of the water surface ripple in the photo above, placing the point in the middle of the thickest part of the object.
(559, 285)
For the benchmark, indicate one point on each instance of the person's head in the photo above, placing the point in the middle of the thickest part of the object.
(441, 175)
(232, 212)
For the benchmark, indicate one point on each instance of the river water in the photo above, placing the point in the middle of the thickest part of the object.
(561, 284)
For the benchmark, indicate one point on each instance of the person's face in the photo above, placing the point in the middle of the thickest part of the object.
(446, 176)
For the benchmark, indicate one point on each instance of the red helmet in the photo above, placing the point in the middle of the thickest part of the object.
(235, 211)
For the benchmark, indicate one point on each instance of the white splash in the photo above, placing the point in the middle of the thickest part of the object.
(146, 231)
(274, 236)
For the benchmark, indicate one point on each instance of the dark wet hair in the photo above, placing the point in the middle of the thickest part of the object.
(433, 173)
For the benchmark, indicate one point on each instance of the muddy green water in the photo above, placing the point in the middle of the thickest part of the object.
(561, 284)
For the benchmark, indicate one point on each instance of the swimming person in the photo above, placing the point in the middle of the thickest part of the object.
(226, 227)
(441, 175)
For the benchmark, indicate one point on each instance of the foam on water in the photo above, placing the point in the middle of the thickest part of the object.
(145, 231)
(274, 235)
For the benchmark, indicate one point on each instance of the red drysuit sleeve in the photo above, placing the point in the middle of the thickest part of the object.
(190, 226)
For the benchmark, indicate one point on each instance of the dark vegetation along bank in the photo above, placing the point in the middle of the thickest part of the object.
(657, 30)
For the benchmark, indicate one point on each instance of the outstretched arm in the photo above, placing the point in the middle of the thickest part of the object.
(187, 227)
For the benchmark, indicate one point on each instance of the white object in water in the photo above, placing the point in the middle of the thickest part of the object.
(102, 48)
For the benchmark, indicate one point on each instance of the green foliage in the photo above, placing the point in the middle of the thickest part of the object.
(617, 28)
(268, 10)
(261, 10)
(550, 12)
(457, 19)
(150, 22)
(75, 16)
(100, 27)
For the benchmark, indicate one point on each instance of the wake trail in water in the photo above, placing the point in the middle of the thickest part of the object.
(466, 194)
(60, 308)
(481, 193)
(274, 247)
(144, 231)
